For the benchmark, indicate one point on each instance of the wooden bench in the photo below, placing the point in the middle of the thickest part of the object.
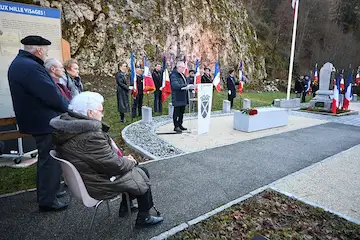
(267, 117)
(10, 134)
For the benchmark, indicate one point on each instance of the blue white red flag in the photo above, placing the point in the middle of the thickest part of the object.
(133, 75)
(197, 72)
(335, 99)
(216, 81)
(348, 93)
(241, 78)
(149, 85)
(166, 87)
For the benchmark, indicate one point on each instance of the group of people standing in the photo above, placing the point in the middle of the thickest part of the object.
(301, 87)
(178, 80)
(50, 105)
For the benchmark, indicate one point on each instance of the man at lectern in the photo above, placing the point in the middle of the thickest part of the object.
(36, 100)
(179, 97)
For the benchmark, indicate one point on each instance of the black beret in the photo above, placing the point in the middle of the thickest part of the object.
(35, 40)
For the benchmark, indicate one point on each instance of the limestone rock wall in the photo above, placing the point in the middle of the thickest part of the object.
(102, 33)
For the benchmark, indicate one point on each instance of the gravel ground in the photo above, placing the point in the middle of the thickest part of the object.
(150, 142)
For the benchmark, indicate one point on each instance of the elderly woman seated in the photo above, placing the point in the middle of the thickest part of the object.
(81, 138)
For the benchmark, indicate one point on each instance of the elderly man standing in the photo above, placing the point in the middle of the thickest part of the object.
(57, 71)
(179, 99)
(36, 100)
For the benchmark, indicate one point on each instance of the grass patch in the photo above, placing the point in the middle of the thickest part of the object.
(274, 216)
(16, 179)
(20, 179)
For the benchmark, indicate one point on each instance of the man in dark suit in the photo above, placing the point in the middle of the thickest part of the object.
(231, 83)
(138, 101)
(36, 100)
(179, 99)
(157, 78)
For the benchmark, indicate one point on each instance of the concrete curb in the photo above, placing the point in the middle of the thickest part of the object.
(154, 126)
(132, 145)
(17, 193)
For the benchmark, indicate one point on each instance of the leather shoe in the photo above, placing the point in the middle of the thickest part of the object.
(60, 194)
(148, 222)
(178, 130)
(182, 128)
(55, 207)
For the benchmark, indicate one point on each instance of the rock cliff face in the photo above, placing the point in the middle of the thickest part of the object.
(102, 33)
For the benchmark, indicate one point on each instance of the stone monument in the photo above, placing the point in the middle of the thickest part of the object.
(323, 96)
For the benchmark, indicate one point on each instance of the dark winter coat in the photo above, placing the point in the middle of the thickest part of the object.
(35, 96)
(122, 92)
(190, 80)
(206, 78)
(157, 78)
(299, 88)
(178, 96)
(230, 84)
(84, 142)
(140, 84)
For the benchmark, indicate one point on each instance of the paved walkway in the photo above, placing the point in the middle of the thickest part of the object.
(222, 133)
(190, 185)
(333, 183)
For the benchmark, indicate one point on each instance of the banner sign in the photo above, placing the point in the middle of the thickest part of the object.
(16, 22)
(205, 92)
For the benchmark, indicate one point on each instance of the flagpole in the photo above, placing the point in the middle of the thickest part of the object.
(292, 50)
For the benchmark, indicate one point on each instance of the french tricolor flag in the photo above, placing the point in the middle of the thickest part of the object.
(149, 85)
(241, 78)
(197, 72)
(165, 87)
(348, 93)
(133, 75)
(186, 71)
(357, 79)
(307, 86)
(335, 100)
(316, 76)
(342, 82)
(216, 80)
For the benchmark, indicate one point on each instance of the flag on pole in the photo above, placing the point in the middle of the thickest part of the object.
(307, 85)
(348, 93)
(357, 80)
(186, 72)
(295, 6)
(335, 100)
(241, 78)
(133, 75)
(316, 75)
(342, 82)
(165, 87)
(149, 85)
(216, 80)
(197, 72)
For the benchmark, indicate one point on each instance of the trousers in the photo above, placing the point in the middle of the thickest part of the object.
(145, 201)
(178, 116)
(157, 101)
(48, 171)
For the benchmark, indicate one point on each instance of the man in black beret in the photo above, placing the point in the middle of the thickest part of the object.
(36, 100)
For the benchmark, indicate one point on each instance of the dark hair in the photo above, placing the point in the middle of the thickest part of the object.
(231, 71)
(191, 71)
(207, 69)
